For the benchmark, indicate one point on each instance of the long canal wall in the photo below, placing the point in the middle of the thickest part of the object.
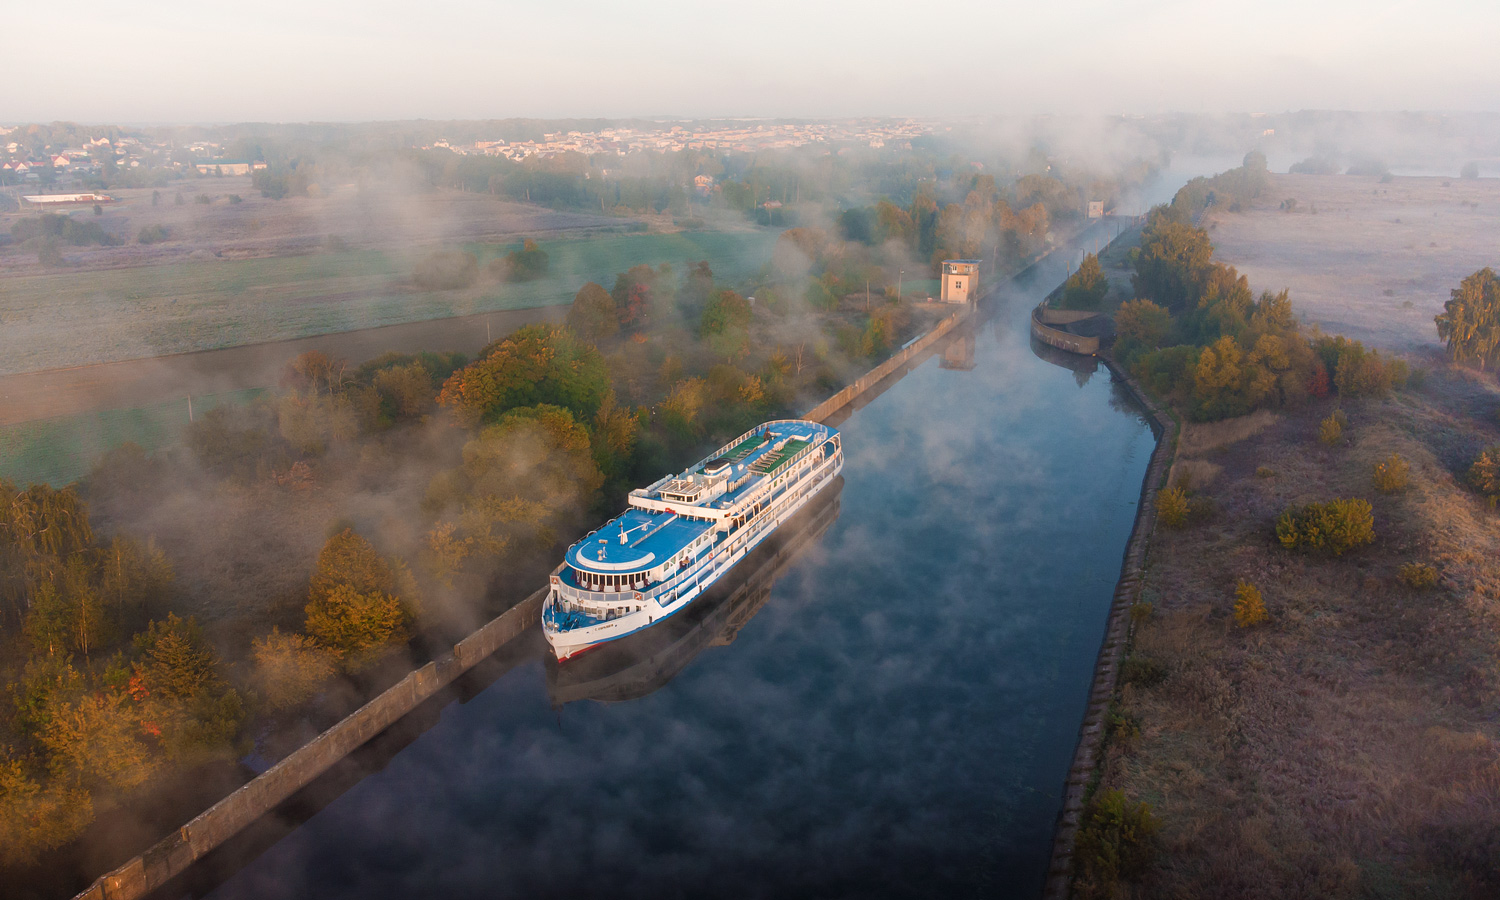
(173, 854)
(1116, 642)
(878, 374)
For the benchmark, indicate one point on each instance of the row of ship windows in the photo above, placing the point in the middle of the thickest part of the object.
(599, 582)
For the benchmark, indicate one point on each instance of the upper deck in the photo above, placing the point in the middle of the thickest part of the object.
(678, 513)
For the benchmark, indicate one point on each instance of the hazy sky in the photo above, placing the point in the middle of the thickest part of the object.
(280, 60)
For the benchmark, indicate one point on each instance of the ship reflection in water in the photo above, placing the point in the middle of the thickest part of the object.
(637, 665)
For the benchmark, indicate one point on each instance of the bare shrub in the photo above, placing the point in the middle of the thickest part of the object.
(1484, 474)
(1331, 430)
(289, 668)
(446, 270)
(1417, 575)
(1265, 472)
(1117, 841)
(1194, 474)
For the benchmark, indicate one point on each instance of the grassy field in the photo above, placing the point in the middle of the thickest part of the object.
(60, 451)
(1370, 259)
(77, 318)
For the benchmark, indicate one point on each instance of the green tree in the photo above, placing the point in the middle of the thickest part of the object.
(1085, 288)
(174, 659)
(726, 323)
(1143, 324)
(1173, 264)
(527, 264)
(1116, 840)
(593, 316)
(1470, 321)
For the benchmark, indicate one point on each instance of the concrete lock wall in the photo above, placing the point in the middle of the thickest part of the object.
(1043, 317)
(220, 822)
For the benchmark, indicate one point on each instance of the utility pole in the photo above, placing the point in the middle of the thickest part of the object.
(899, 273)
(867, 295)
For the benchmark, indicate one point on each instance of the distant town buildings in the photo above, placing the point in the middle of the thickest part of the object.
(228, 166)
(746, 137)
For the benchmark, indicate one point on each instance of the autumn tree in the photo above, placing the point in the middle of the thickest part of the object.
(1470, 320)
(1249, 607)
(538, 364)
(525, 479)
(353, 609)
(37, 814)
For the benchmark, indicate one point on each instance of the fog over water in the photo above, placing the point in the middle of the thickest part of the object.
(896, 720)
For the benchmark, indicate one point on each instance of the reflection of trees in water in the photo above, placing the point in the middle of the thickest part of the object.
(635, 666)
(1082, 367)
(1121, 400)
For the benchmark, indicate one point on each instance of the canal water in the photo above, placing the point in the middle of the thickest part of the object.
(885, 704)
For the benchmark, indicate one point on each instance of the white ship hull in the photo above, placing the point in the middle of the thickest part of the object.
(673, 595)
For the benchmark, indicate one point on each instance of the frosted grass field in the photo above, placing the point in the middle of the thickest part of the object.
(85, 317)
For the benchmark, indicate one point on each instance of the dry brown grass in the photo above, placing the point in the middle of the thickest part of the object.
(1350, 747)
(1199, 438)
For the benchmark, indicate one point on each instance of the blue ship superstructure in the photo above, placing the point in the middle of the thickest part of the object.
(684, 532)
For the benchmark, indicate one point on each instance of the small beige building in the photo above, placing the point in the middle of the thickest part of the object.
(960, 280)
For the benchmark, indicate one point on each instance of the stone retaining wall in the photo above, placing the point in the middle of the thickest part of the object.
(1043, 317)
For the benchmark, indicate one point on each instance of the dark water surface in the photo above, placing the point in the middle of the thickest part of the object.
(886, 706)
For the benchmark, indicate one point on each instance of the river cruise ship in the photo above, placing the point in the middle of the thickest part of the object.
(681, 534)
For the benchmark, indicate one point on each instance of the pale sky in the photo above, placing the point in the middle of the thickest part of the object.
(351, 60)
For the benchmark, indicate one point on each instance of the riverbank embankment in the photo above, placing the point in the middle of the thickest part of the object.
(1084, 769)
